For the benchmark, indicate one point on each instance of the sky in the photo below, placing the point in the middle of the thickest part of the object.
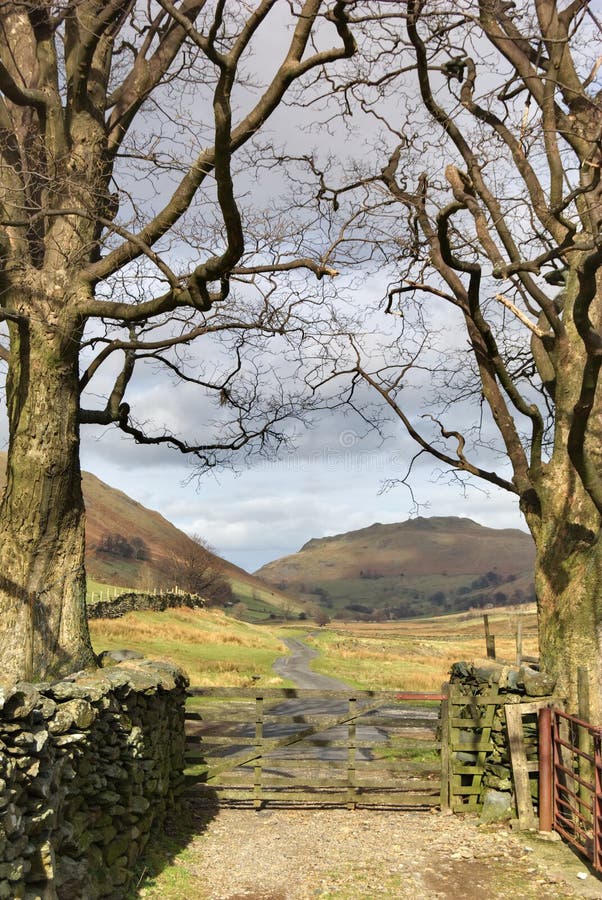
(331, 482)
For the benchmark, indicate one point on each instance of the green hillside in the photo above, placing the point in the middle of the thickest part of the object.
(425, 566)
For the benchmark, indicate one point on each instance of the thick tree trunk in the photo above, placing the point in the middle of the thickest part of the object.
(566, 528)
(42, 579)
(568, 579)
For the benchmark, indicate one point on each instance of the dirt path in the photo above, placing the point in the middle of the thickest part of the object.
(295, 667)
(345, 855)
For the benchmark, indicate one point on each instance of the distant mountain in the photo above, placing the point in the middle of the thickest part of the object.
(142, 545)
(419, 567)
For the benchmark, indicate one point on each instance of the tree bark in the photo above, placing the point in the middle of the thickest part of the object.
(570, 618)
(42, 601)
(568, 571)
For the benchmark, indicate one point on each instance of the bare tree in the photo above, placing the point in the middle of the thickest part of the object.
(122, 233)
(199, 571)
(485, 202)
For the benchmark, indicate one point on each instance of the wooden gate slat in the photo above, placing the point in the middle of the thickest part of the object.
(465, 715)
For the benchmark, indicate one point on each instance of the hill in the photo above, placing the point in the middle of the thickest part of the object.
(144, 559)
(423, 566)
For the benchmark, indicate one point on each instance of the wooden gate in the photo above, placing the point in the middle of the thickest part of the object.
(304, 747)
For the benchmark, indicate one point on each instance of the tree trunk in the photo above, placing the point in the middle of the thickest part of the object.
(42, 600)
(568, 576)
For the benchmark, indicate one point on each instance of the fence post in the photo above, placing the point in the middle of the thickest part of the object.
(585, 743)
(597, 802)
(519, 640)
(445, 796)
(257, 770)
(351, 751)
(518, 758)
(489, 638)
(546, 770)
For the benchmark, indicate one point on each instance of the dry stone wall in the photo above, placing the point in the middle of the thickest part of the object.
(131, 602)
(513, 685)
(89, 766)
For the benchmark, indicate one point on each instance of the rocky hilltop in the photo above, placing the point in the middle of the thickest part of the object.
(417, 567)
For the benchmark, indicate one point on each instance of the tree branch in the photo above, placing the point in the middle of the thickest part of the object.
(291, 68)
(520, 315)
(84, 29)
(492, 366)
(318, 269)
(146, 74)
(18, 94)
(146, 348)
(207, 453)
(455, 463)
(115, 410)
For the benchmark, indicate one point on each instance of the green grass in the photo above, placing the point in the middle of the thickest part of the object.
(221, 651)
(415, 654)
(211, 647)
(413, 591)
(263, 603)
(164, 878)
(401, 748)
(167, 869)
(96, 588)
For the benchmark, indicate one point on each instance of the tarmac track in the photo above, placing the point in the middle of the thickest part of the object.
(295, 668)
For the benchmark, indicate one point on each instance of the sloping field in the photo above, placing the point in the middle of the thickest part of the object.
(418, 567)
(217, 650)
(212, 648)
(421, 546)
(416, 654)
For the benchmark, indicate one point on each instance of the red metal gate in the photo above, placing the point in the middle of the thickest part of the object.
(574, 772)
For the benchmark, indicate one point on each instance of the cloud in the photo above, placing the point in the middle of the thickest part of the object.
(332, 482)
(273, 510)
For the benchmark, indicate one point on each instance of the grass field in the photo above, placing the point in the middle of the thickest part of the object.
(262, 602)
(413, 591)
(214, 649)
(98, 590)
(415, 654)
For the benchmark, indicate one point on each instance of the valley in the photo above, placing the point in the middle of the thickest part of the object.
(217, 650)
(421, 567)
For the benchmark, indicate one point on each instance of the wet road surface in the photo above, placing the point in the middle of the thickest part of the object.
(295, 668)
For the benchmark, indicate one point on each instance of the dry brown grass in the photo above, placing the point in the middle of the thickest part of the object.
(129, 629)
(211, 647)
(417, 654)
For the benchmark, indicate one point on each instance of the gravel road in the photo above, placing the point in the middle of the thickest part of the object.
(295, 668)
(340, 854)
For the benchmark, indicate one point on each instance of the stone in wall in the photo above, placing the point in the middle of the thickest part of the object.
(89, 767)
